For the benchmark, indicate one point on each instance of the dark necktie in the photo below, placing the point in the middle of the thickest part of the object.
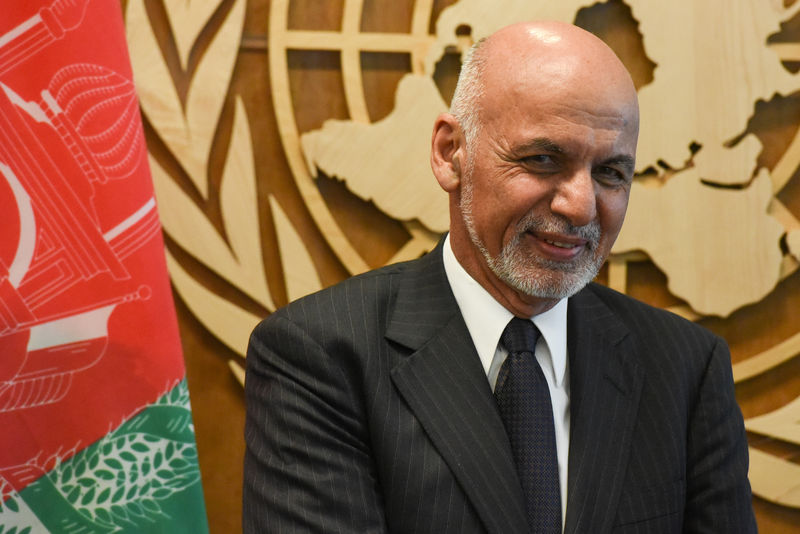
(524, 401)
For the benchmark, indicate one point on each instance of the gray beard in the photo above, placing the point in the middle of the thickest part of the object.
(532, 275)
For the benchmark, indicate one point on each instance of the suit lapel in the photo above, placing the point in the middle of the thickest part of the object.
(605, 387)
(445, 387)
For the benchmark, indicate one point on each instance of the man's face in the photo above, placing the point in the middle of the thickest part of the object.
(546, 185)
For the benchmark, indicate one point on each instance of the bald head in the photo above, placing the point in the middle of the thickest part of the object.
(562, 59)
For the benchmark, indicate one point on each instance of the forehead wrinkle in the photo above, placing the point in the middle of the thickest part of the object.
(612, 118)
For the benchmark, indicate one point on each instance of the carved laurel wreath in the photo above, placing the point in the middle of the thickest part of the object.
(188, 127)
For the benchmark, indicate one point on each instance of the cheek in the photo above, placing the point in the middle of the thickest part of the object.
(611, 211)
(495, 220)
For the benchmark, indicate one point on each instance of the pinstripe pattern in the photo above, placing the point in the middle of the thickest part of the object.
(368, 411)
(657, 440)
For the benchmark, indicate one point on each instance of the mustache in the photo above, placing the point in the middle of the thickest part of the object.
(559, 225)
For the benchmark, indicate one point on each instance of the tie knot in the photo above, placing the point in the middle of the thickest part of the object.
(520, 335)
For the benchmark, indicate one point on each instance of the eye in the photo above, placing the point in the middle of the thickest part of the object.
(540, 162)
(609, 175)
(539, 158)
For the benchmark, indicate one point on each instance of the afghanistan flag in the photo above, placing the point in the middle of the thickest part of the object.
(96, 431)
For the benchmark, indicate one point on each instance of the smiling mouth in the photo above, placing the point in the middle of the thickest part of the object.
(560, 244)
(564, 240)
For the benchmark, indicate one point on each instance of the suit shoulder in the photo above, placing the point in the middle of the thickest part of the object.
(642, 316)
(369, 292)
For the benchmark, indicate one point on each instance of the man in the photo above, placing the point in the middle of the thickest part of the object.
(391, 402)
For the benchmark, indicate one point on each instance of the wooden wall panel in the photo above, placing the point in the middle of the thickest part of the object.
(245, 216)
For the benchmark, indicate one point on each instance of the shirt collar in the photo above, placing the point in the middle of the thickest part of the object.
(486, 318)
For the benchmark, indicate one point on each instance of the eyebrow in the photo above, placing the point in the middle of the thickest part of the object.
(541, 143)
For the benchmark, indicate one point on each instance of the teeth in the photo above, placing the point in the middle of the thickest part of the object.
(560, 245)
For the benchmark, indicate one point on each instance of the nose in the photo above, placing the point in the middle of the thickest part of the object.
(575, 198)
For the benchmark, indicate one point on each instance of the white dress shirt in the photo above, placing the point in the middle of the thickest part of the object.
(486, 319)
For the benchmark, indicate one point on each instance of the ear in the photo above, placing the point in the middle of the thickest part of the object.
(447, 152)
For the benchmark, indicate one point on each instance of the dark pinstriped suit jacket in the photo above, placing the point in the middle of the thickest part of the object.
(368, 410)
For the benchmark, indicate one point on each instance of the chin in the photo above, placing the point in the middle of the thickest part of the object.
(549, 281)
(544, 288)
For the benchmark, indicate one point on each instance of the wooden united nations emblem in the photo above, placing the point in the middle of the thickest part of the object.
(262, 207)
